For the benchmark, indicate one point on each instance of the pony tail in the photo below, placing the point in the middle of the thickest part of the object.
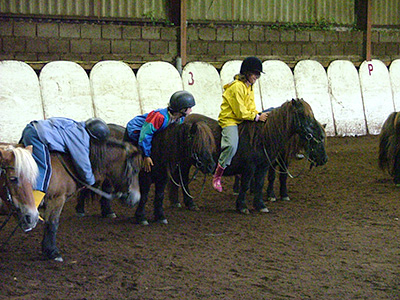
(396, 124)
(389, 142)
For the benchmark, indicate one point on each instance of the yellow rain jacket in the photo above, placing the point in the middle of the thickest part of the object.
(237, 104)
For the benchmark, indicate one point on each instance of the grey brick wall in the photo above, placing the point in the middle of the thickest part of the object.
(38, 42)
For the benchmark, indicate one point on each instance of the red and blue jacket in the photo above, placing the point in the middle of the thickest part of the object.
(141, 129)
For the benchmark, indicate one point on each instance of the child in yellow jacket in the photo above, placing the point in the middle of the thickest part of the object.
(237, 106)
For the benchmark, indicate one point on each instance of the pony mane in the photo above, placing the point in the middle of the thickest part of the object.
(24, 163)
(273, 132)
(102, 153)
(204, 138)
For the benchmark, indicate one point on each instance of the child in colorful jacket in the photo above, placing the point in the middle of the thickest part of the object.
(141, 129)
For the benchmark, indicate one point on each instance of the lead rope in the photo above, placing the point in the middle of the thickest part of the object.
(282, 165)
(181, 181)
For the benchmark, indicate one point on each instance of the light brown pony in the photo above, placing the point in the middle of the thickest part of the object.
(389, 146)
(18, 171)
(115, 166)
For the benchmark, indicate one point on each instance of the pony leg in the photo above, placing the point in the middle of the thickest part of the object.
(159, 215)
(270, 189)
(283, 186)
(105, 204)
(145, 183)
(236, 185)
(259, 177)
(49, 248)
(241, 198)
(80, 205)
(52, 219)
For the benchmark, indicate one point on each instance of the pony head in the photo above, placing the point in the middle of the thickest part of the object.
(310, 131)
(18, 172)
(202, 146)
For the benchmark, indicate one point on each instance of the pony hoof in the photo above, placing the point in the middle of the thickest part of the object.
(286, 198)
(80, 215)
(194, 208)
(59, 259)
(163, 221)
(244, 211)
(144, 223)
(176, 205)
(110, 216)
(272, 199)
(264, 210)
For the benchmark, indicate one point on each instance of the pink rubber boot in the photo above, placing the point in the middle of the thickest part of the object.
(217, 178)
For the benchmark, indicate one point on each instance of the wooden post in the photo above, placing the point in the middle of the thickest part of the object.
(369, 34)
(183, 32)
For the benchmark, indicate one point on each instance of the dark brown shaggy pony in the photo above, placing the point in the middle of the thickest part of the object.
(389, 146)
(260, 144)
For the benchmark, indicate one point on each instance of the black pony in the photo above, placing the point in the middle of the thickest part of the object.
(179, 144)
(260, 144)
(389, 146)
(281, 166)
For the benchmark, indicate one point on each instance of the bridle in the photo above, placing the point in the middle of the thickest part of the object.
(304, 134)
(6, 195)
(308, 136)
(4, 189)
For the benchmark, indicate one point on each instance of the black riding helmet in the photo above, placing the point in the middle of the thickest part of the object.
(180, 100)
(251, 64)
(97, 129)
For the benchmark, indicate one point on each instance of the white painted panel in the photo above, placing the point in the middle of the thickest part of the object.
(311, 84)
(66, 91)
(203, 81)
(377, 94)
(229, 70)
(347, 105)
(20, 100)
(157, 81)
(276, 84)
(394, 72)
(115, 92)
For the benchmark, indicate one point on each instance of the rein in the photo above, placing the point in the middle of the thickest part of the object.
(93, 189)
(180, 184)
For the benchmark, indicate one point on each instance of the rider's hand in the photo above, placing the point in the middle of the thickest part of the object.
(148, 163)
(263, 117)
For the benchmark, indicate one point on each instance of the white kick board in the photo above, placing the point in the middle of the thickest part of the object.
(377, 94)
(203, 81)
(311, 84)
(394, 72)
(20, 100)
(115, 92)
(347, 105)
(66, 91)
(157, 81)
(277, 84)
(229, 70)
